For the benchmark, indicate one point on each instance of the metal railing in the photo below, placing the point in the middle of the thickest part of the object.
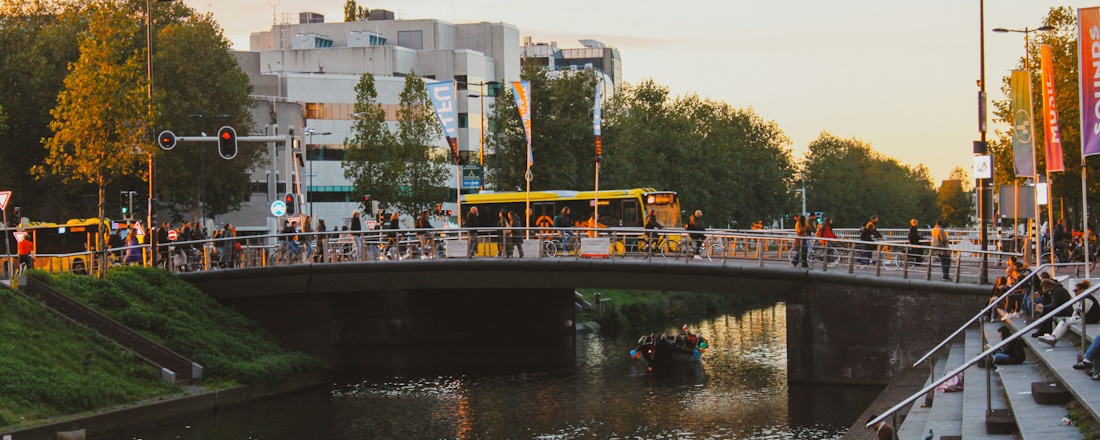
(1047, 315)
(1021, 284)
(882, 258)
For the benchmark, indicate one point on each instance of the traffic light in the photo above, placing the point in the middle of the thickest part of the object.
(366, 200)
(124, 204)
(290, 205)
(166, 140)
(18, 220)
(227, 142)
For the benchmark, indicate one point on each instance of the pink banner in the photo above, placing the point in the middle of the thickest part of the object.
(1088, 50)
(1050, 115)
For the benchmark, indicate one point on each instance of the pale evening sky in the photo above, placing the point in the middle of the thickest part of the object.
(898, 75)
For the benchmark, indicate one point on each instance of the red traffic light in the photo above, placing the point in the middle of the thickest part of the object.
(227, 142)
(166, 140)
(290, 205)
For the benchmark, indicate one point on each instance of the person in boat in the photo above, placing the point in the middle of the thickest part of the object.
(692, 340)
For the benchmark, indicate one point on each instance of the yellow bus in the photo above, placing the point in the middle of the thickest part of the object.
(618, 207)
(54, 244)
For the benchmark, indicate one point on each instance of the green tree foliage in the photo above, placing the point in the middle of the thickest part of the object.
(99, 123)
(850, 182)
(563, 144)
(352, 12)
(365, 163)
(399, 170)
(195, 73)
(1065, 186)
(422, 171)
(955, 199)
(39, 40)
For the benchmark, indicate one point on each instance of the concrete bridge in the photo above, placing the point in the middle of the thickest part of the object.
(842, 328)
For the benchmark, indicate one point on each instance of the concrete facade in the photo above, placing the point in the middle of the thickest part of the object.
(309, 70)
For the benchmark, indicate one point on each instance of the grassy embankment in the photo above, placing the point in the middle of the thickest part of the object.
(636, 308)
(51, 367)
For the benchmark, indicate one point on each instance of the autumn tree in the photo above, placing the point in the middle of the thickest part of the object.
(955, 199)
(353, 12)
(99, 123)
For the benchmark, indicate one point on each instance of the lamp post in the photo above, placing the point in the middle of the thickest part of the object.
(149, 76)
(202, 162)
(309, 191)
(481, 117)
(1027, 66)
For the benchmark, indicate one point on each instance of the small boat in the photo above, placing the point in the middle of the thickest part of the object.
(666, 350)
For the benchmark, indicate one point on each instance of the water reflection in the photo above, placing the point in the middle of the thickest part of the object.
(738, 390)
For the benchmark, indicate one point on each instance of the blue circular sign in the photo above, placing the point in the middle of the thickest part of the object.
(278, 208)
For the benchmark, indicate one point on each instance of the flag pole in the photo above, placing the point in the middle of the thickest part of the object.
(1084, 169)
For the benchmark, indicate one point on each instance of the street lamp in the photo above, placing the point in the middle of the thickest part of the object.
(202, 161)
(481, 117)
(309, 191)
(1027, 66)
(149, 72)
(803, 192)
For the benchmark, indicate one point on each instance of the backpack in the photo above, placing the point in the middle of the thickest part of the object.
(557, 221)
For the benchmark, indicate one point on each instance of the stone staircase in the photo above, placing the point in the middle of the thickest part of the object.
(1028, 400)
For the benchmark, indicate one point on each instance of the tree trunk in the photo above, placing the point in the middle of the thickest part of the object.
(100, 255)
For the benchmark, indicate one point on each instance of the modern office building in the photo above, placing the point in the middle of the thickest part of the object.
(594, 55)
(304, 77)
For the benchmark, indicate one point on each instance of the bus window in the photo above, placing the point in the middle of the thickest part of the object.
(667, 208)
(631, 217)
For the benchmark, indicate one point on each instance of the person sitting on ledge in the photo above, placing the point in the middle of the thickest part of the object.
(1010, 354)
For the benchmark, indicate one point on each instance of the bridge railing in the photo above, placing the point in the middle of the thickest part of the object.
(1046, 316)
(893, 258)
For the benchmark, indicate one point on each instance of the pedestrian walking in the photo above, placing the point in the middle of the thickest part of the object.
(321, 240)
(802, 232)
(695, 223)
(868, 233)
(423, 228)
(515, 232)
(939, 241)
(357, 235)
(471, 224)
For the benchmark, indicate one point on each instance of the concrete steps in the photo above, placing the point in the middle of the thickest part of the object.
(945, 417)
(918, 415)
(1059, 362)
(1033, 420)
(974, 422)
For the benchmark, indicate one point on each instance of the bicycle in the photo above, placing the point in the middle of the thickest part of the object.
(553, 246)
(820, 252)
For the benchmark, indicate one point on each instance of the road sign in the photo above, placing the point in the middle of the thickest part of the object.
(471, 176)
(19, 236)
(172, 235)
(983, 167)
(138, 230)
(4, 197)
(278, 208)
(371, 225)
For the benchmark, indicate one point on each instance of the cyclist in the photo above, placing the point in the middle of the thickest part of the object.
(651, 223)
(26, 252)
(695, 223)
(563, 221)
(291, 239)
(869, 233)
(826, 231)
(1061, 238)
(801, 230)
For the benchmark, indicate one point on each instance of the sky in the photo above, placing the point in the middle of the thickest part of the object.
(901, 76)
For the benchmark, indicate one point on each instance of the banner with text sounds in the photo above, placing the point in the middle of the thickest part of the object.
(522, 91)
(1050, 114)
(1088, 52)
(443, 98)
(1023, 139)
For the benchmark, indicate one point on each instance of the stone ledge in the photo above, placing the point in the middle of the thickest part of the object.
(154, 413)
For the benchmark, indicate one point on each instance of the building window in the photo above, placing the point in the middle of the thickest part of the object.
(462, 81)
(494, 89)
(315, 110)
(463, 120)
(491, 125)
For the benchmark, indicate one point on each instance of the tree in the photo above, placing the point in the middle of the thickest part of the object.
(850, 182)
(366, 162)
(955, 199)
(355, 13)
(99, 129)
(424, 171)
(196, 73)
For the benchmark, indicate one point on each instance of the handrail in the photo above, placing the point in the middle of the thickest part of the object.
(991, 305)
(1046, 317)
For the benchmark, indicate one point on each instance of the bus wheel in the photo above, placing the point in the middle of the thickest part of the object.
(79, 268)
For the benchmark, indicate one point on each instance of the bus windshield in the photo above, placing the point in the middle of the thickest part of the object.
(666, 206)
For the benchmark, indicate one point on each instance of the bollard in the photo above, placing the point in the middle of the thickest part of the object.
(851, 257)
(928, 276)
(759, 252)
(878, 262)
(958, 268)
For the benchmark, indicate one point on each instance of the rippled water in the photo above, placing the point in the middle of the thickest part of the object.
(739, 390)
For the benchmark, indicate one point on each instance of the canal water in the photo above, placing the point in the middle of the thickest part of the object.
(739, 390)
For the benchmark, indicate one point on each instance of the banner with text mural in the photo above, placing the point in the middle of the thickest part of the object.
(443, 98)
(1088, 50)
(522, 93)
(1050, 114)
(1023, 139)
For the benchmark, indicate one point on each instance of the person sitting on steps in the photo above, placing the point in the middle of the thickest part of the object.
(1091, 313)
